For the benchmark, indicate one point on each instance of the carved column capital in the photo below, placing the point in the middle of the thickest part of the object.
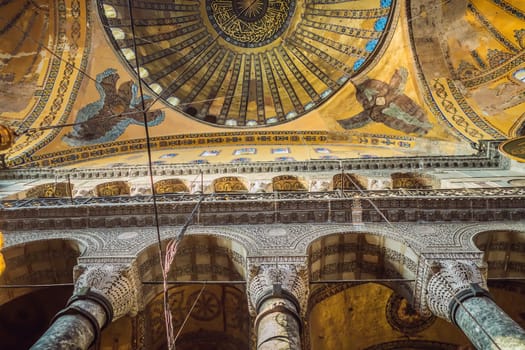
(119, 284)
(448, 279)
(278, 279)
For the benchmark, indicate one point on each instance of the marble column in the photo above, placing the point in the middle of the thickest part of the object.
(457, 292)
(278, 295)
(103, 293)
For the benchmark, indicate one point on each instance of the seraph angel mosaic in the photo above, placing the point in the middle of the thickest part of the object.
(117, 108)
(386, 103)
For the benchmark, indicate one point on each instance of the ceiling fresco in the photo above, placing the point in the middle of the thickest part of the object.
(358, 78)
(477, 82)
(24, 25)
(240, 63)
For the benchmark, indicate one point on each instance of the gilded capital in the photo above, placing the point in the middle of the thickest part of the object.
(273, 279)
(448, 278)
(117, 283)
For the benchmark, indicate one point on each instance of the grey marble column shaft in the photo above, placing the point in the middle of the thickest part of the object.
(103, 293)
(278, 326)
(73, 330)
(487, 326)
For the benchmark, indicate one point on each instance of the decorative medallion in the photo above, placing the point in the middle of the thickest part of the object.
(207, 308)
(514, 149)
(404, 318)
(249, 23)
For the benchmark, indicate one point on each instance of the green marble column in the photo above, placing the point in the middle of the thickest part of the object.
(487, 326)
(278, 293)
(457, 291)
(278, 325)
(76, 328)
(103, 293)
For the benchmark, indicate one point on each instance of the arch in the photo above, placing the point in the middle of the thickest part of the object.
(47, 190)
(220, 315)
(413, 180)
(219, 320)
(171, 186)
(228, 184)
(288, 183)
(363, 257)
(360, 255)
(504, 252)
(27, 317)
(113, 188)
(349, 182)
(198, 257)
(40, 262)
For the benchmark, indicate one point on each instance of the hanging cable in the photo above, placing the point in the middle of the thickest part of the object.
(169, 329)
(186, 318)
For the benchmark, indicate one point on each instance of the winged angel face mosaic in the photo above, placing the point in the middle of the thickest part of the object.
(245, 63)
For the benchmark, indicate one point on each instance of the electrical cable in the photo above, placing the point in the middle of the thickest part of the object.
(164, 268)
(187, 317)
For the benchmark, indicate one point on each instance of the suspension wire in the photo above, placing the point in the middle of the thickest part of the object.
(148, 145)
(365, 280)
(171, 248)
(187, 317)
(45, 285)
(171, 251)
(167, 314)
(460, 303)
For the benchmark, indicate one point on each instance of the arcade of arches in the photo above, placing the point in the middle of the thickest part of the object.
(325, 174)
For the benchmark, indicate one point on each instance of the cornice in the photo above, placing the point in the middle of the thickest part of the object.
(448, 205)
(487, 157)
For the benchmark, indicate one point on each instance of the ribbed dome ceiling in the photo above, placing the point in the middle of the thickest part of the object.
(246, 62)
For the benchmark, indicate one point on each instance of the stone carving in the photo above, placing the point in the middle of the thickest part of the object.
(140, 190)
(53, 189)
(487, 157)
(287, 183)
(292, 278)
(171, 186)
(229, 184)
(118, 283)
(447, 279)
(113, 188)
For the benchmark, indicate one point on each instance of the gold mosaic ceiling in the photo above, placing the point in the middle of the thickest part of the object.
(246, 63)
(403, 78)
